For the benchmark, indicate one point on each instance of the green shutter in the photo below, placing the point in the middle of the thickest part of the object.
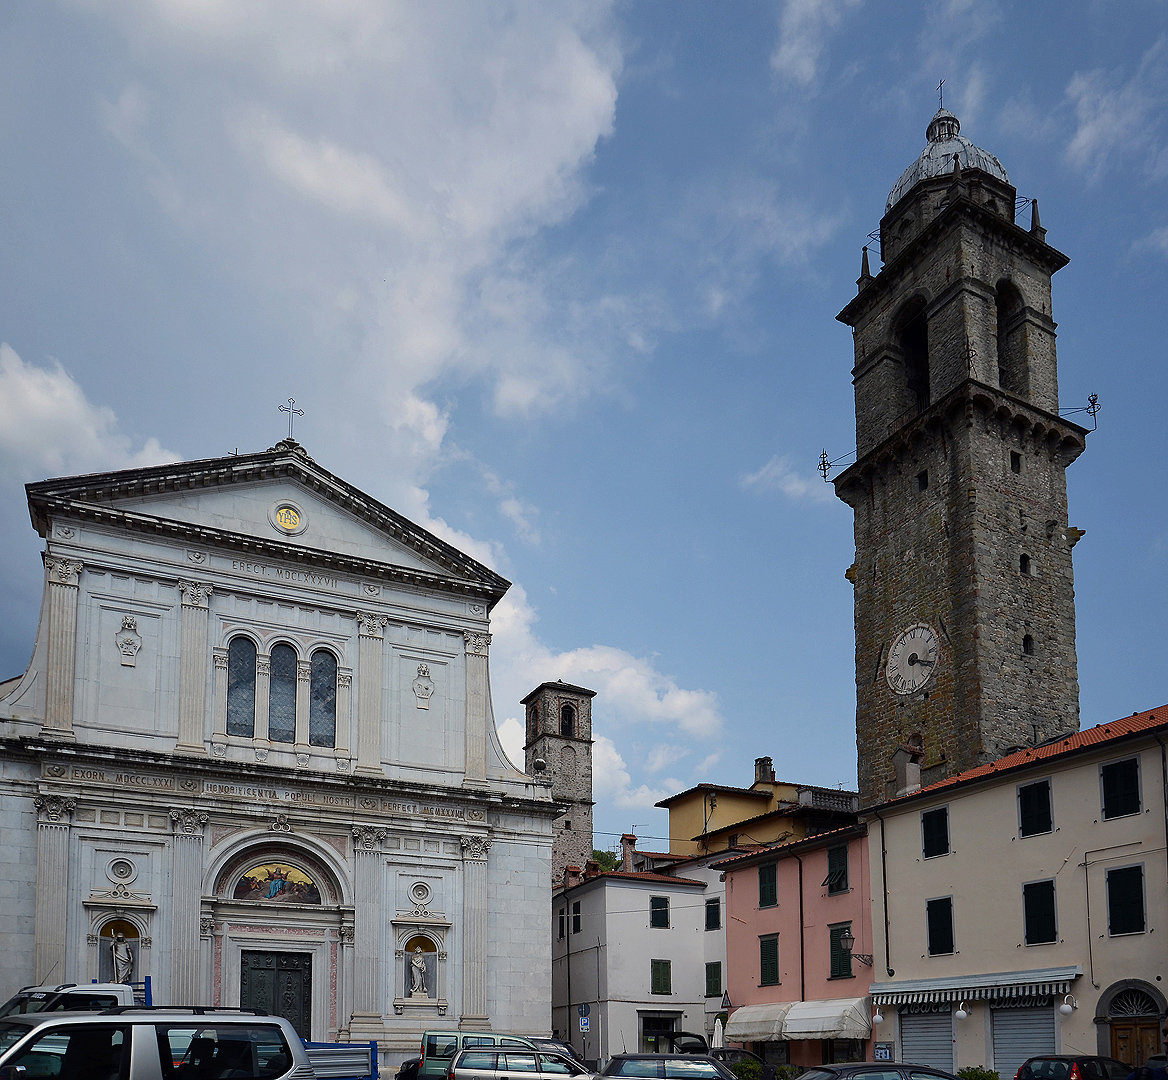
(768, 895)
(837, 870)
(768, 960)
(841, 962)
(660, 977)
(714, 979)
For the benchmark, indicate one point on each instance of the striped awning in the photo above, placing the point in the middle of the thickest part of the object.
(995, 986)
(834, 1018)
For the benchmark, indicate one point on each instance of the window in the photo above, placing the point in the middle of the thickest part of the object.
(282, 695)
(935, 832)
(682, 1068)
(1039, 909)
(841, 962)
(520, 1063)
(255, 1050)
(1027, 645)
(1013, 376)
(923, 481)
(732, 840)
(837, 870)
(241, 687)
(768, 960)
(1015, 462)
(87, 1050)
(562, 920)
(660, 977)
(576, 917)
(478, 1059)
(714, 913)
(1024, 565)
(659, 912)
(1125, 900)
(912, 335)
(559, 1066)
(322, 699)
(714, 979)
(568, 721)
(1034, 816)
(1121, 788)
(939, 916)
(768, 889)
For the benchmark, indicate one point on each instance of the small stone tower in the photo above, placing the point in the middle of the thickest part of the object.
(964, 591)
(559, 734)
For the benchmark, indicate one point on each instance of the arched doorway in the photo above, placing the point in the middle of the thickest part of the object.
(1132, 1012)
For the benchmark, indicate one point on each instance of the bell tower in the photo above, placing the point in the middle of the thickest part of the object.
(964, 590)
(559, 734)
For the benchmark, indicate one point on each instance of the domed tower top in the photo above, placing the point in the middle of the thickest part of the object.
(945, 142)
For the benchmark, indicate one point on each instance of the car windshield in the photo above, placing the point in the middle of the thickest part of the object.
(684, 1068)
(25, 1003)
(633, 1067)
(1045, 1069)
(11, 1034)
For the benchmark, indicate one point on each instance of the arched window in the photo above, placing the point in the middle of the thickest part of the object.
(912, 335)
(1012, 373)
(532, 721)
(1027, 645)
(568, 721)
(322, 704)
(282, 695)
(241, 687)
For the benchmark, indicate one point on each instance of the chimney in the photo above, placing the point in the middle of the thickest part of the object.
(571, 876)
(906, 760)
(591, 869)
(764, 770)
(628, 850)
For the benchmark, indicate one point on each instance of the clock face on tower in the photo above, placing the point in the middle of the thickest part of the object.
(912, 659)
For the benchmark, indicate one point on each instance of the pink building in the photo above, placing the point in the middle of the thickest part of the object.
(798, 944)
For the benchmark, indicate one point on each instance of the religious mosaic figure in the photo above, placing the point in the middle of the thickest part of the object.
(123, 958)
(418, 973)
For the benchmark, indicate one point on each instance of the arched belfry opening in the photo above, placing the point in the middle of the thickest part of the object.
(911, 334)
(568, 722)
(1013, 375)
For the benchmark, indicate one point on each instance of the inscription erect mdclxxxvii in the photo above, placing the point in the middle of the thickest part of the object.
(300, 577)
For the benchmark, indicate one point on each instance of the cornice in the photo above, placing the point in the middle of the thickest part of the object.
(960, 209)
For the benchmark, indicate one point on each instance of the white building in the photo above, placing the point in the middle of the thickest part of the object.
(256, 738)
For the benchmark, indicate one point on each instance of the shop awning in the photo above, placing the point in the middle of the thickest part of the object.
(991, 986)
(835, 1018)
(757, 1023)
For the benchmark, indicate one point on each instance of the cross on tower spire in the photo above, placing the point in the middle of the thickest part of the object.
(941, 93)
(292, 412)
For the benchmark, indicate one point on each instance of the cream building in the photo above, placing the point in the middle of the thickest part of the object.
(256, 739)
(1019, 907)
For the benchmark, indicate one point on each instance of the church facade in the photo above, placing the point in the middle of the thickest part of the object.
(256, 741)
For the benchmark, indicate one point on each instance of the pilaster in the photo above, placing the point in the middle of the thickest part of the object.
(63, 581)
(474, 933)
(192, 684)
(52, 881)
(219, 708)
(303, 699)
(344, 718)
(186, 904)
(367, 973)
(478, 688)
(371, 630)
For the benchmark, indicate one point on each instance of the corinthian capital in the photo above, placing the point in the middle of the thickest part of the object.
(188, 821)
(370, 625)
(367, 838)
(475, 847)
(55, 809)
(194, 593)
(63, 571)
(476, 642)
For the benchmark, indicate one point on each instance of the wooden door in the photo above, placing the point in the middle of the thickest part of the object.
(1134, 1041)
(279, 984)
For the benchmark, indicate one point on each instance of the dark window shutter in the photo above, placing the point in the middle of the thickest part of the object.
(935, 826)
(1121, 788)
(1038, 903)
(837, 870)
(940, 920)
(714, 979)
(714, 913)
(660, 977)
(1125, 900)
(768, 895)
(659, 912)
(841, 962)
(768, 961)
(1034, 808)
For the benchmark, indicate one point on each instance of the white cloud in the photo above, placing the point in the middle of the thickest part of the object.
(804, 26)
(778, 474)
(664, 756)
(1156, 240)
(1119, 120)
(512, 735)
(48, 427)
(612, 783)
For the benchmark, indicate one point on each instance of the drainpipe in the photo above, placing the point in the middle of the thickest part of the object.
(568, 965)
(802, 979)
(1164, 778)
(884, 891)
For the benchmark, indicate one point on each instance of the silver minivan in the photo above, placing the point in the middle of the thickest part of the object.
(483, 1064)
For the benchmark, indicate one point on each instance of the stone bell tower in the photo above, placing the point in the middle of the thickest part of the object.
(964, 594)
(559, 734)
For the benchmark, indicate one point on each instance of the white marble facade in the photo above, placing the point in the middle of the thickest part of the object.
(257, 723)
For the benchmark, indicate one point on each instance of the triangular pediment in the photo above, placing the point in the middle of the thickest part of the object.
(280, 500)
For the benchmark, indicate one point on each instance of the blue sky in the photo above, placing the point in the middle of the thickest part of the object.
(558, 281)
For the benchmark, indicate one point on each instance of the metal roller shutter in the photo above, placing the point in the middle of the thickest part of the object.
(927, 1039)
(1019, 1034)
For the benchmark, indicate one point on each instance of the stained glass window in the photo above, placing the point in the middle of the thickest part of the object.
(241, 685)
(322, 704)
(282, 695)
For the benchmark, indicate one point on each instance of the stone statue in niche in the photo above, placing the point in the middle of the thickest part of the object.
(123, 957)
(129, 641)
(418, 973)
(423, 686)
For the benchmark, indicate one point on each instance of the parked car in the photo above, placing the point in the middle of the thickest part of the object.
(1072, 1067)
(667, 1066)
(732, 1055)
(67, 997)
(150, 1042)
(480, 1064)
(440, 1047)
(408, 1069)
(559, 1046)
(875, 1070)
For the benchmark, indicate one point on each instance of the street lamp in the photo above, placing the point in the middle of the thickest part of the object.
(846, 941)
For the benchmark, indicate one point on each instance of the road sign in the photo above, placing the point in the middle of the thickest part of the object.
(583, 1023)
(583, 1010)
